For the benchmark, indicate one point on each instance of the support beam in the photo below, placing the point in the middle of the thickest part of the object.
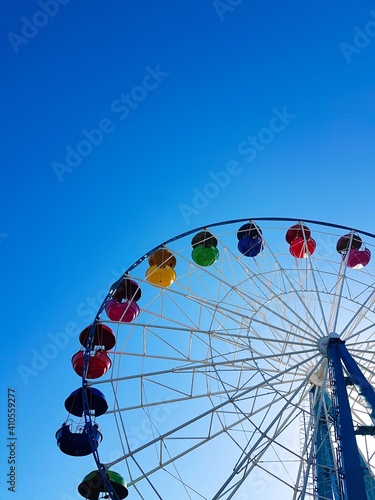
(325, 468)
(358, 379)
(354, 486)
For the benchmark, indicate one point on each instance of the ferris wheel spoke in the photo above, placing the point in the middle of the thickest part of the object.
(367, 343)
(270, 340)
(161, 440)
(283, 335)
(237, 317)
(308, 449)
(280, 348)
(230, 332)
(295, 323)
(300, 459)
(337, 295)
(249, 274)
(241, 394)
(364, 366)
(363, 355)
(359, 417)
(189, 294)
(183, 397)
(235, 363)
(193, 337)
(354, 322)
(177, 294)
(231, 359)
(243, 465)
(196, 366)
(277, 328)
(164, 464)
(279, 395)
(255, 460)
(299, 296)
(304, 301)
(254, 299)
(318, 295)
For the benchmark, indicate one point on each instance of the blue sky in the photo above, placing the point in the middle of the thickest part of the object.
(197, 112)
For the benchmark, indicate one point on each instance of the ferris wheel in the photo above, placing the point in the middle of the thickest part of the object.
(233, 361)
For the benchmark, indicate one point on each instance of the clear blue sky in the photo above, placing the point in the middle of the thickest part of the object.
(279, 95)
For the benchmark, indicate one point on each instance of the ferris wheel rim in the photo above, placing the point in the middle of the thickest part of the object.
(85, 383)
(239, 221)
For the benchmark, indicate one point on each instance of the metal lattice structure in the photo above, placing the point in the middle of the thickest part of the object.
(244, 367)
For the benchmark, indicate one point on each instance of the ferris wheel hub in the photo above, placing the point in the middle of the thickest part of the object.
(323, 342)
